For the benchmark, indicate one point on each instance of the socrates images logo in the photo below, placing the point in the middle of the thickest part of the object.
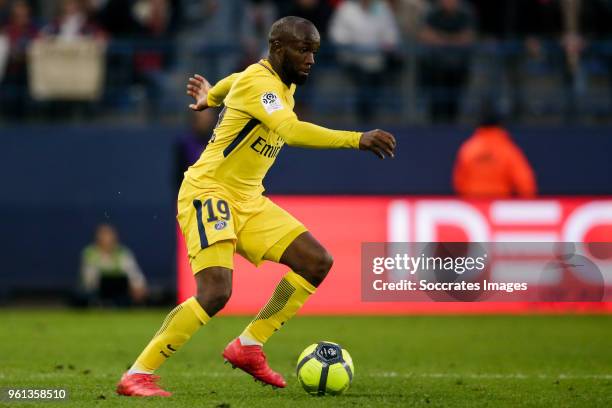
(219, 225)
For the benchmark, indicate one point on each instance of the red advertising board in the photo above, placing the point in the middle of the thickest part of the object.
(342, 224)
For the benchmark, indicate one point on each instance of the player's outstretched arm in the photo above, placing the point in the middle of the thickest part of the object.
(379, 142)
(264, 103)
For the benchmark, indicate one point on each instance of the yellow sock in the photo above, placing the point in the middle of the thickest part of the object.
(288, 297)
(180, 324)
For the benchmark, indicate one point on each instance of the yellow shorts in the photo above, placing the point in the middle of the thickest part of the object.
(215, 226)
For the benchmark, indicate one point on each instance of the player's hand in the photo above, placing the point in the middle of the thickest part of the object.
(379, 142)
(198, 88)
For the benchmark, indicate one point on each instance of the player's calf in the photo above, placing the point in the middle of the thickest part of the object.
(178, 326)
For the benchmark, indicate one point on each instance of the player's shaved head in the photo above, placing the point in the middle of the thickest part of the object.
(293, 28)
(294, 41)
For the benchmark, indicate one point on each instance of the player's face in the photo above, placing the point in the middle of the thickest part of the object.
(300, 57)
(106, 238)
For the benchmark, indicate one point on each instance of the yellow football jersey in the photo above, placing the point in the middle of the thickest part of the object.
(256, 122)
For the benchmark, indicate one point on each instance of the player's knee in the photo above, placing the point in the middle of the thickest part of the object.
(220, 299)
(214, 289)
(319, 267)
(214, 301)
(326, 262)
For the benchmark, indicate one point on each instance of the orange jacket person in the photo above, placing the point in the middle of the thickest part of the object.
(489, 164)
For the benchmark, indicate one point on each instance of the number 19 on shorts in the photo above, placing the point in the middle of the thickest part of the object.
(209, 211)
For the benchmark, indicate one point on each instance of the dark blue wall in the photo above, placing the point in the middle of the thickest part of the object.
(565, 160)
(58, 183)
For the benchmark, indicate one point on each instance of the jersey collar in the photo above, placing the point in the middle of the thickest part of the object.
(266, 64)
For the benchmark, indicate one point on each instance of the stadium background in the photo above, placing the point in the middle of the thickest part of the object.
(126, 138)
(114, 156)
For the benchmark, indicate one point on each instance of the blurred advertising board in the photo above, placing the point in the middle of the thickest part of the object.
(66, 70)
(526, 235)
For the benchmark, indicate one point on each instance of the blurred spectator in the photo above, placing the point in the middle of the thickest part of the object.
(595, 31)
(552, 38)
(595, 17)
(317, 11)
(258, 16)
(155, 17)
(4, 53)
(543, 57)
(368, 37)
(153, 52)
(511, 27)
(571, 40)
(517, 19)
(134, 18)
(116, 17)
(542, 21)
(73, 23)
(498, 20)
(502, 32)
(209, 19)
(109, 272)
(19, 33)
(196, 12)
(190, 146)
(448, 34)
(5, 11)
(410, 16)
(490, 164)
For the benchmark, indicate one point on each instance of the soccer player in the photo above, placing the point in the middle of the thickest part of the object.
(221, 208)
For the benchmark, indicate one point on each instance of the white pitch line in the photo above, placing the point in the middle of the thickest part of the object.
(492, 376)
(382, 374)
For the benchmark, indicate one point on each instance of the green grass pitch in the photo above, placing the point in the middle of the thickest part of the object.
(427, 361)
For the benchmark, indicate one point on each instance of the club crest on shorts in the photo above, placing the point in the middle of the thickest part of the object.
(219, 225)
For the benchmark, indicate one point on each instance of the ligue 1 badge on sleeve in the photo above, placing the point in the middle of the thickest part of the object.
(271, 102)
(219, 225)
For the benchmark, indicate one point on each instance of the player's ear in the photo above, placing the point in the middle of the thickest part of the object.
(275, 46)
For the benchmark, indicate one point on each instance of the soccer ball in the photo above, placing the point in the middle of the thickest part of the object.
(325, 368)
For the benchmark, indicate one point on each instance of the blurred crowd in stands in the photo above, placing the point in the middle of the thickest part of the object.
(395, 61)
